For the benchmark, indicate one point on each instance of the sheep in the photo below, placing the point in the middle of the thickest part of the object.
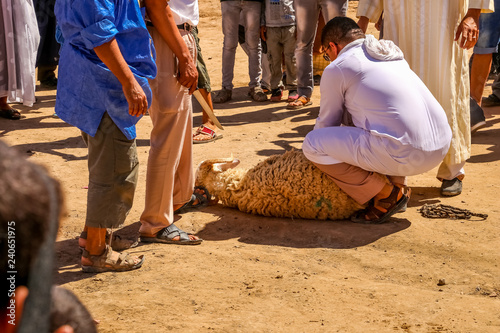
(285, 185)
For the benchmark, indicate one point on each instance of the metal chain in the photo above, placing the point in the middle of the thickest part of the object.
(441, 211)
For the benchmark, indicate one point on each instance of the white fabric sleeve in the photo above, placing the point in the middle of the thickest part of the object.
(332, 98)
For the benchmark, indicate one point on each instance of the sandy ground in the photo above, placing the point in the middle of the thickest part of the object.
(257, 274)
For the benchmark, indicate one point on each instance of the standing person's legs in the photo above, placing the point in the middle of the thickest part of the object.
(265, 81)
(487, 44)
(333, 8)
(169, 179)
(289, 41)
(230, 21)
(207, 132)
(251, 15)
(306, 13)
(274, 52)
(113, 170)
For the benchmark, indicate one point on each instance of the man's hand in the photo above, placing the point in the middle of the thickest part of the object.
(468, 29)
(263, 30)
(188, 75)
(136, 98)
(111, 56)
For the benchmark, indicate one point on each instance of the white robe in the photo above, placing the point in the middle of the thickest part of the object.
(425, 32)
(20, 38)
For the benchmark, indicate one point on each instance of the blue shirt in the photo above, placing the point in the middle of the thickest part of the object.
(86, 88)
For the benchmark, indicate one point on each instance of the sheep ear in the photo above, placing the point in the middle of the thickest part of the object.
(221, 167)
(217, 167)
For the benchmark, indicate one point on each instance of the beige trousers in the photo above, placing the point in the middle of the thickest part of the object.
(170, 177)
(359, 184)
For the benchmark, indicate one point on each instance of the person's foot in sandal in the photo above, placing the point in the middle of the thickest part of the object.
(110, 261)
(384, 206)
(117, 242)
(8, 112)
(199, 199)
(205, 134)
(299, 103)
(172, 235)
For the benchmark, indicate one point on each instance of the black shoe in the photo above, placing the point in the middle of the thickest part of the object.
(477, 119)
(491, 100)
(451, 187)
(49, 83)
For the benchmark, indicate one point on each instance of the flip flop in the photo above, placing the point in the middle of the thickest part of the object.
(205, 130)
(167, 235)
(11, 113)
(203, 200)
(301, 102)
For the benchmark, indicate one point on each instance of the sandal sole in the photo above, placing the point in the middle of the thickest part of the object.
(93, 269)
(217, 137)
(401, 203)
(169, 241)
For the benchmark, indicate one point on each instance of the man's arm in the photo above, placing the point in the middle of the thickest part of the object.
(111, 56)
(331, 106)
(160, 14)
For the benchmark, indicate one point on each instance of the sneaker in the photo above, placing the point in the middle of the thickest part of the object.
(258, 95)
(451, 187)
(477, 119)
(292, 96)
(222, 96)
(276, 95)
(491, 100)
(266, 90)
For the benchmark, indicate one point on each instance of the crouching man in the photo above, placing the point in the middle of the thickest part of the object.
(390, 132)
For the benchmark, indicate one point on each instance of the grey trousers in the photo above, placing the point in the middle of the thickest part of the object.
(113, 170)
(306, 14)
(250, 13)
(281, 40)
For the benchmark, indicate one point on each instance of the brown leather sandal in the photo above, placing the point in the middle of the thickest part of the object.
(392, 204)
(104, 262)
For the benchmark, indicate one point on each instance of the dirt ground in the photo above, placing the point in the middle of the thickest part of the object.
(258, 274)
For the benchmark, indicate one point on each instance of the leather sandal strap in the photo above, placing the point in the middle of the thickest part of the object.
(208, 131)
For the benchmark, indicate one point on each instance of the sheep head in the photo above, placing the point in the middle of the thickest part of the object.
(209, 173)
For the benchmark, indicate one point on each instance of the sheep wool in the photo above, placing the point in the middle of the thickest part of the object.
(287, 185)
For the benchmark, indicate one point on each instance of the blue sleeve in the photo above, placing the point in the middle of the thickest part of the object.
(97, 19)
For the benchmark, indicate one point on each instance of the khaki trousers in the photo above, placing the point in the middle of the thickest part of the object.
(170, 176)
(359, 184)
(113, 170)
